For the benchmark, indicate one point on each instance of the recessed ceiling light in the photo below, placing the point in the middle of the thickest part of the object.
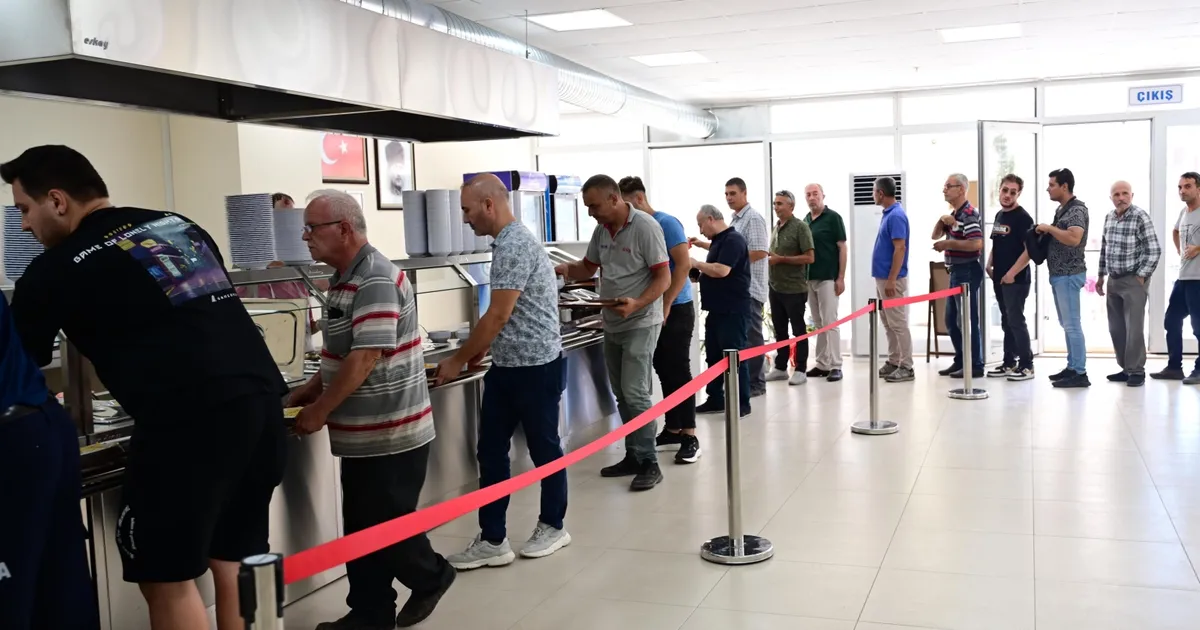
(578, 20)
(672, 59)
(980, 33)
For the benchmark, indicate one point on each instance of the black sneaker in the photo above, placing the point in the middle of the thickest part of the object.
(710, 406)
(648, 476)
(623, 468)
(1119, 377)
(1136, 380)
(950, 370)
(1065, 374)
(1002, 371)
(1193, 378)
(818, 373)
(355, 621)
(1073, 382)
(689, 451)
(420, 605)
(745, 412)
(835, 375)
(755, 393)
(887, 369)
(667, 441)
(976, 373)
(1169, 374)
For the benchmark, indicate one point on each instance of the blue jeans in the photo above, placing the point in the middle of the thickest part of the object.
(727, 331)
(1066, 301)
(527, 397)
(970, 274)
(1184, 302)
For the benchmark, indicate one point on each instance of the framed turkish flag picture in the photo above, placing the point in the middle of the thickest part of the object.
(343, 159)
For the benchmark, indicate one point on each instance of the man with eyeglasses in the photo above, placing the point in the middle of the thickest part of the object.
(959, 236)
(373, 396)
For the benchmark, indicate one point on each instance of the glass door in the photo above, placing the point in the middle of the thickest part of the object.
(1176, 151)
(1004, 148)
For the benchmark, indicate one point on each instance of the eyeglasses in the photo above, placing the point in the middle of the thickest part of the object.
(310, 227)
(949, 186)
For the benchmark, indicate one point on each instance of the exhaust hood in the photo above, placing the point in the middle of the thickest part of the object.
(314, 64)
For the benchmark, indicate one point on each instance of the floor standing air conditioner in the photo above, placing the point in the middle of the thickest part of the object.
(864, 225)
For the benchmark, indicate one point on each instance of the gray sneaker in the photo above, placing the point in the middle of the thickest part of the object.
(900, 374)
(545, 541)
(887, 369)
(1193, 378)
(482, 553)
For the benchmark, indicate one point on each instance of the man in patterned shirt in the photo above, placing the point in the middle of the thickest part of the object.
(1068, 272)
(962, 245)
(372, 394)
(525, 382)
(1129, 254)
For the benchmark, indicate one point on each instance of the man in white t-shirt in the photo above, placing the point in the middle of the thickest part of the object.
(1185, 297)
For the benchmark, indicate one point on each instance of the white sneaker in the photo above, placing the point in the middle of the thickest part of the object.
(798, 378)
(482, 553)
(777, 375)
(545, 541)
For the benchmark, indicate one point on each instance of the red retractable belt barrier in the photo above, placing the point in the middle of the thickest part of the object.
(928, 297)
(750, 353)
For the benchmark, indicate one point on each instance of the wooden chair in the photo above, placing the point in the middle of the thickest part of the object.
(939, 280)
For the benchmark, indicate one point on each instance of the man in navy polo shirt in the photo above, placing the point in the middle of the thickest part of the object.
(44, 579)
(725, 293)
(959, 236)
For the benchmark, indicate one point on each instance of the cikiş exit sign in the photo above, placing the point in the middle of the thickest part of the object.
(1155, 95)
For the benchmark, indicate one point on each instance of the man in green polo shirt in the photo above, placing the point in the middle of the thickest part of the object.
(826, 280)
(791, 254)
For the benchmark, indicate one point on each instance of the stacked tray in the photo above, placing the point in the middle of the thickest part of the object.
(20, 248)
(251, 220)
(289, 237)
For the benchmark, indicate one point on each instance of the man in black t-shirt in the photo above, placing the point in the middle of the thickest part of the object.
(1009, 269)
(144, 295)
(725, 295)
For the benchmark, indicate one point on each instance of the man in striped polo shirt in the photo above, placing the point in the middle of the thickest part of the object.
(372, 394)
(962, 245)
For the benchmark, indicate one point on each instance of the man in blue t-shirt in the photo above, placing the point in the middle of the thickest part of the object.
(44, 579)
(889, 267)
(673, 354)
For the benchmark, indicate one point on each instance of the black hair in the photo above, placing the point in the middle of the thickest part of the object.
(1015, 179)
(1064, 177)
(55, 167)
(277, 197)
(632, 184)
(737, 181)
(887, 186)
(1192, 175)
(603, 183)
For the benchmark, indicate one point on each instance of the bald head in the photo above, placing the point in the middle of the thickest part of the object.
(814, 196)
(485, 205)
(1121, 194)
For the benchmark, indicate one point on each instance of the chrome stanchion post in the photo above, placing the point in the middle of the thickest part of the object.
(968, 390)
(737, 547)
(260, 591)
(873, 426)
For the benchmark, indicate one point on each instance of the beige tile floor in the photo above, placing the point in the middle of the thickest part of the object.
(1036, 508)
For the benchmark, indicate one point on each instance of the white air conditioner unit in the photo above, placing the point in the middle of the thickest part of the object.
(864, 225)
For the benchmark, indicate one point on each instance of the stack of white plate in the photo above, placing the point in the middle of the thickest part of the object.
(251, 230)
(20, 248)
(416, 235)
(289, 237)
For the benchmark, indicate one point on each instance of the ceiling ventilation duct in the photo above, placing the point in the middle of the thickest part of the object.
(577, 84)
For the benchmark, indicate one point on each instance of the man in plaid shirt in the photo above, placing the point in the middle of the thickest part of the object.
(1129, 254)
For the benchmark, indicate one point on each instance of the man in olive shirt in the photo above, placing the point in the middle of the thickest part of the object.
(791, 254)
(826, 280)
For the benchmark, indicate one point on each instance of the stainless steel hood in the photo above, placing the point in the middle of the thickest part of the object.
(315, 64)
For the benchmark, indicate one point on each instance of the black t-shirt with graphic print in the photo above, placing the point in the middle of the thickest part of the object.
(1008, 242)
(144, 295)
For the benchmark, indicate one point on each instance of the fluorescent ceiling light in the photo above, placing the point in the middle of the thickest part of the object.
(578, 20)
(980, 33)
(672, 59)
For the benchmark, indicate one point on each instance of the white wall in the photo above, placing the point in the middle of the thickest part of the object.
(442, 164)
(205, 167)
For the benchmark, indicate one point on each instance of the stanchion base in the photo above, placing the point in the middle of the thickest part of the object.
(974, 393)
(883, 427)
(756, 549)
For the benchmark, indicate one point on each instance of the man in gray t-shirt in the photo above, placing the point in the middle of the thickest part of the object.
(628, 248)
(524, 385)
(1185, 296)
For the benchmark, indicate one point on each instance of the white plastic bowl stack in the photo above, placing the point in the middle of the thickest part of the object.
(416, 236)
(289, 237)
(251, 220)
(437, 217)
(20, 248)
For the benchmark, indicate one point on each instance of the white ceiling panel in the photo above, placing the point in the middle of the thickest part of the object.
(763, 49)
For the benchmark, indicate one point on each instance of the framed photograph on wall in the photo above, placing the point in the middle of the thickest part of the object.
(343, 159)
(358, 196)
(394, 172)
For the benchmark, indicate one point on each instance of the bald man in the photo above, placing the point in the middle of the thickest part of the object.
(525, 382)
(826, 280)
(1129, 254)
